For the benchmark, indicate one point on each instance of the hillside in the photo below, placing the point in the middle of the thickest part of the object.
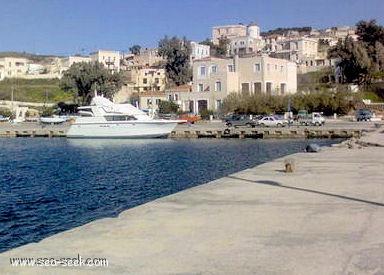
(33, 90)
(30, 56)
(283, 31)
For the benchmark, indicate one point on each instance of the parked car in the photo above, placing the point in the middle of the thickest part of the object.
(272, 121)
(239, 120)
(364, 114)
(314, 118)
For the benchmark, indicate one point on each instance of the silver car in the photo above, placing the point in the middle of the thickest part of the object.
(272, 121)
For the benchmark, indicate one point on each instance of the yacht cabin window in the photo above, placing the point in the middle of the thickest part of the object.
(120, 118)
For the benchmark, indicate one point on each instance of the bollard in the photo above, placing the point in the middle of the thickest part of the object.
(289, 165)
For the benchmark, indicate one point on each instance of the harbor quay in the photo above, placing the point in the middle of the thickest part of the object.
(209, 129)
(326, 216)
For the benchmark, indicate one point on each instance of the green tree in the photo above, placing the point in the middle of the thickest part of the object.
(135, 49)
(354, 62)
(361, 61)
(168, 107)
(339, 101)
(370, 32)
(371, 36)
(83, 79)
(176, 52)
(219, 50)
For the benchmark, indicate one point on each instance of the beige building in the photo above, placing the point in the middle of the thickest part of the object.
(266, 75)
(147, 57)
(215, 78)
(245, 45)
(67, 62)
(146, 79)
(150, 100)
(297, 49)
(13, 67)
(181, 96)
(228, 31)
(110, 59)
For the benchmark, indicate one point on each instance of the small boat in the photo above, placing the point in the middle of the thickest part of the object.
(52, 120)
(4, 119)
(105, 119)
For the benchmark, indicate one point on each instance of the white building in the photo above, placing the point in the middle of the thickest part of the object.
(252, 42)
(199, 51)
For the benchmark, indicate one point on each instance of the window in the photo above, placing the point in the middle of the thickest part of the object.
(218, 86)
(283, 88)
(257, 88)
(231, 68)
(158, 101)
(269, 88)
(157, 81)
(145, 81)
(120, 118)
(202, 70)
(200, 87)
(256, 67)
(213, 69)
(218, 104)
(245, 88)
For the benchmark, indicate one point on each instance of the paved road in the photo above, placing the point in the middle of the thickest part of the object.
(330, 124)
(327, 217)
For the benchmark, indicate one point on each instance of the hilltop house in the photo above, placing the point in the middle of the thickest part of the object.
(110, 59)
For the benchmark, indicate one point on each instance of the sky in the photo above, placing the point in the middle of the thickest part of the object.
(70, 27)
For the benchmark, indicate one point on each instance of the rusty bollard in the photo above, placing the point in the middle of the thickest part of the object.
(289, 165)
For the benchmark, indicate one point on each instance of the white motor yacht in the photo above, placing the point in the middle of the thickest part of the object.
(105, 119)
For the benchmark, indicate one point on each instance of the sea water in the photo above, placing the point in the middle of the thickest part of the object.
(51, 185)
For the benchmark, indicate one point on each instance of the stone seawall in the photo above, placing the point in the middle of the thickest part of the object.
(205, 130)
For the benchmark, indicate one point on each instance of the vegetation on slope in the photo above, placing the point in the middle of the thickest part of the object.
(33, 90)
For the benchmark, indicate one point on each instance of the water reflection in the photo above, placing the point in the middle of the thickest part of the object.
(108, 143)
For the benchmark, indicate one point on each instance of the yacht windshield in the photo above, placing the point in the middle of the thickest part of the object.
(120, 118)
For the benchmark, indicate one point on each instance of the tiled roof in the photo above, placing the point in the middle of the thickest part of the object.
(184, 87)
(152, 93)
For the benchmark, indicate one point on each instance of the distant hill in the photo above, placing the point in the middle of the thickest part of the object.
(30, 56)
(282, 31)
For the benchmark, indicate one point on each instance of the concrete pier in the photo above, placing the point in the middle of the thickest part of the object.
(325, 217)
(207, 130)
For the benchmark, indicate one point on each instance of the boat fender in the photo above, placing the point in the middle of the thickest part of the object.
(227, 131)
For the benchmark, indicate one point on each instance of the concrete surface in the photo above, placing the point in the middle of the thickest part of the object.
(327, 217)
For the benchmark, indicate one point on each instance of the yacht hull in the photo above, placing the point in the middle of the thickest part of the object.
(125, 129)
